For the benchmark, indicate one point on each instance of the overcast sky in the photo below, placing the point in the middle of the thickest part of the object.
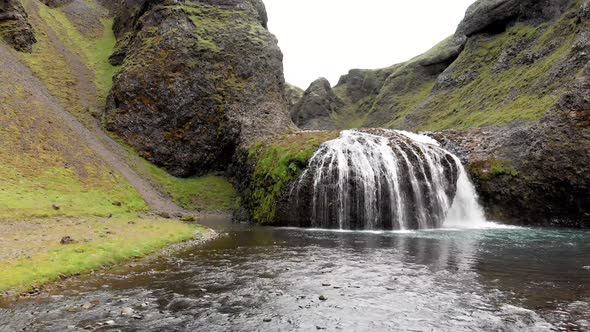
(326, 38)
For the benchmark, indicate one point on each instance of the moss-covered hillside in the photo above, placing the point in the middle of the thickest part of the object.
(512, 66)
(47, 168)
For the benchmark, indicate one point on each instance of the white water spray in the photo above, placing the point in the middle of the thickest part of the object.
(386, 180)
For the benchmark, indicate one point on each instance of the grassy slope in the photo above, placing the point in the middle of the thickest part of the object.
(522, 91)
(207, 193)
(500, 97)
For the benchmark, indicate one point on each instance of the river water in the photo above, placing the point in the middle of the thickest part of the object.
(271, 279)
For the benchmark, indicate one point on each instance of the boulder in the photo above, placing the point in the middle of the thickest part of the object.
(199, 79)
(313, 111)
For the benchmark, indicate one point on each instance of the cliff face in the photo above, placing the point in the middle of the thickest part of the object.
(509, 93)
(198, 79)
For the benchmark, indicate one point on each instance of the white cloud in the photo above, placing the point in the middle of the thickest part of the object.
(326, 38)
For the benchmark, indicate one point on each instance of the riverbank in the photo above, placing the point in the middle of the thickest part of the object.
(38, 251)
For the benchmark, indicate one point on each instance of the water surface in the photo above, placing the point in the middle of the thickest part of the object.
(270, 279)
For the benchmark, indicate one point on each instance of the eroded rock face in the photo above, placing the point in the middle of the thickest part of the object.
(494, 15)
(534, 174)
(14, 26)
(198, 79)
(313, 111)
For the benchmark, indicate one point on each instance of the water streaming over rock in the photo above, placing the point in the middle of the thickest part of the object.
(383, 180)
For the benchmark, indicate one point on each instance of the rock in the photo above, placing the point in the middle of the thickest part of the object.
(319, 327)
(110, 322)
(90, 304)
(494, 15)
(188, 97)
(56, 3)
(323, 298)
(127, 311)
(67, 240)
(164, 215)
(313, 111)
(117, 203)
(15, 28)
(325, 284)
(293, 95)
(56, 207)
(266, 320)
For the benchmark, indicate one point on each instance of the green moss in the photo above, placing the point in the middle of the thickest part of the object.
(44, 163)
(407, 102)
(94, 52)
(212, 24)
(50, 63)
(275, 164)
(489, 169)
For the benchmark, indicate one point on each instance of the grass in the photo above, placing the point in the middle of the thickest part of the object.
(496, 79)
(61, 192)
(51, 65)
(498, 96)
(101, 242)
(207, 193)
(43, 162)
(275, 164)
(94, 52)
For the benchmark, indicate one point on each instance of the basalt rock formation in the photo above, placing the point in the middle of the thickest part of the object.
(14, 26)
(313, 110)
(198, 80)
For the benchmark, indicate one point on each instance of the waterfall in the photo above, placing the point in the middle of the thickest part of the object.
(383, 180)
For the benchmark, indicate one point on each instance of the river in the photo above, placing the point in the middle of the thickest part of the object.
(271, 279)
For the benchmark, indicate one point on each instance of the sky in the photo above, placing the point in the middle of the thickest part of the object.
(326, 38)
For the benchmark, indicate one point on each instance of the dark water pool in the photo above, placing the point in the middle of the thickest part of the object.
(265, 279)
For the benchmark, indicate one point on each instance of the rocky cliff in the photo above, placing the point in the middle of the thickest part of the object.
(198, 79)
(508, 92)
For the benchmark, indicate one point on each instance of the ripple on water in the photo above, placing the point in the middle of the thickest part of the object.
(271, 279)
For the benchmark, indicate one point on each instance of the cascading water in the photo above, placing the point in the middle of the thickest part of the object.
(384, 180)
